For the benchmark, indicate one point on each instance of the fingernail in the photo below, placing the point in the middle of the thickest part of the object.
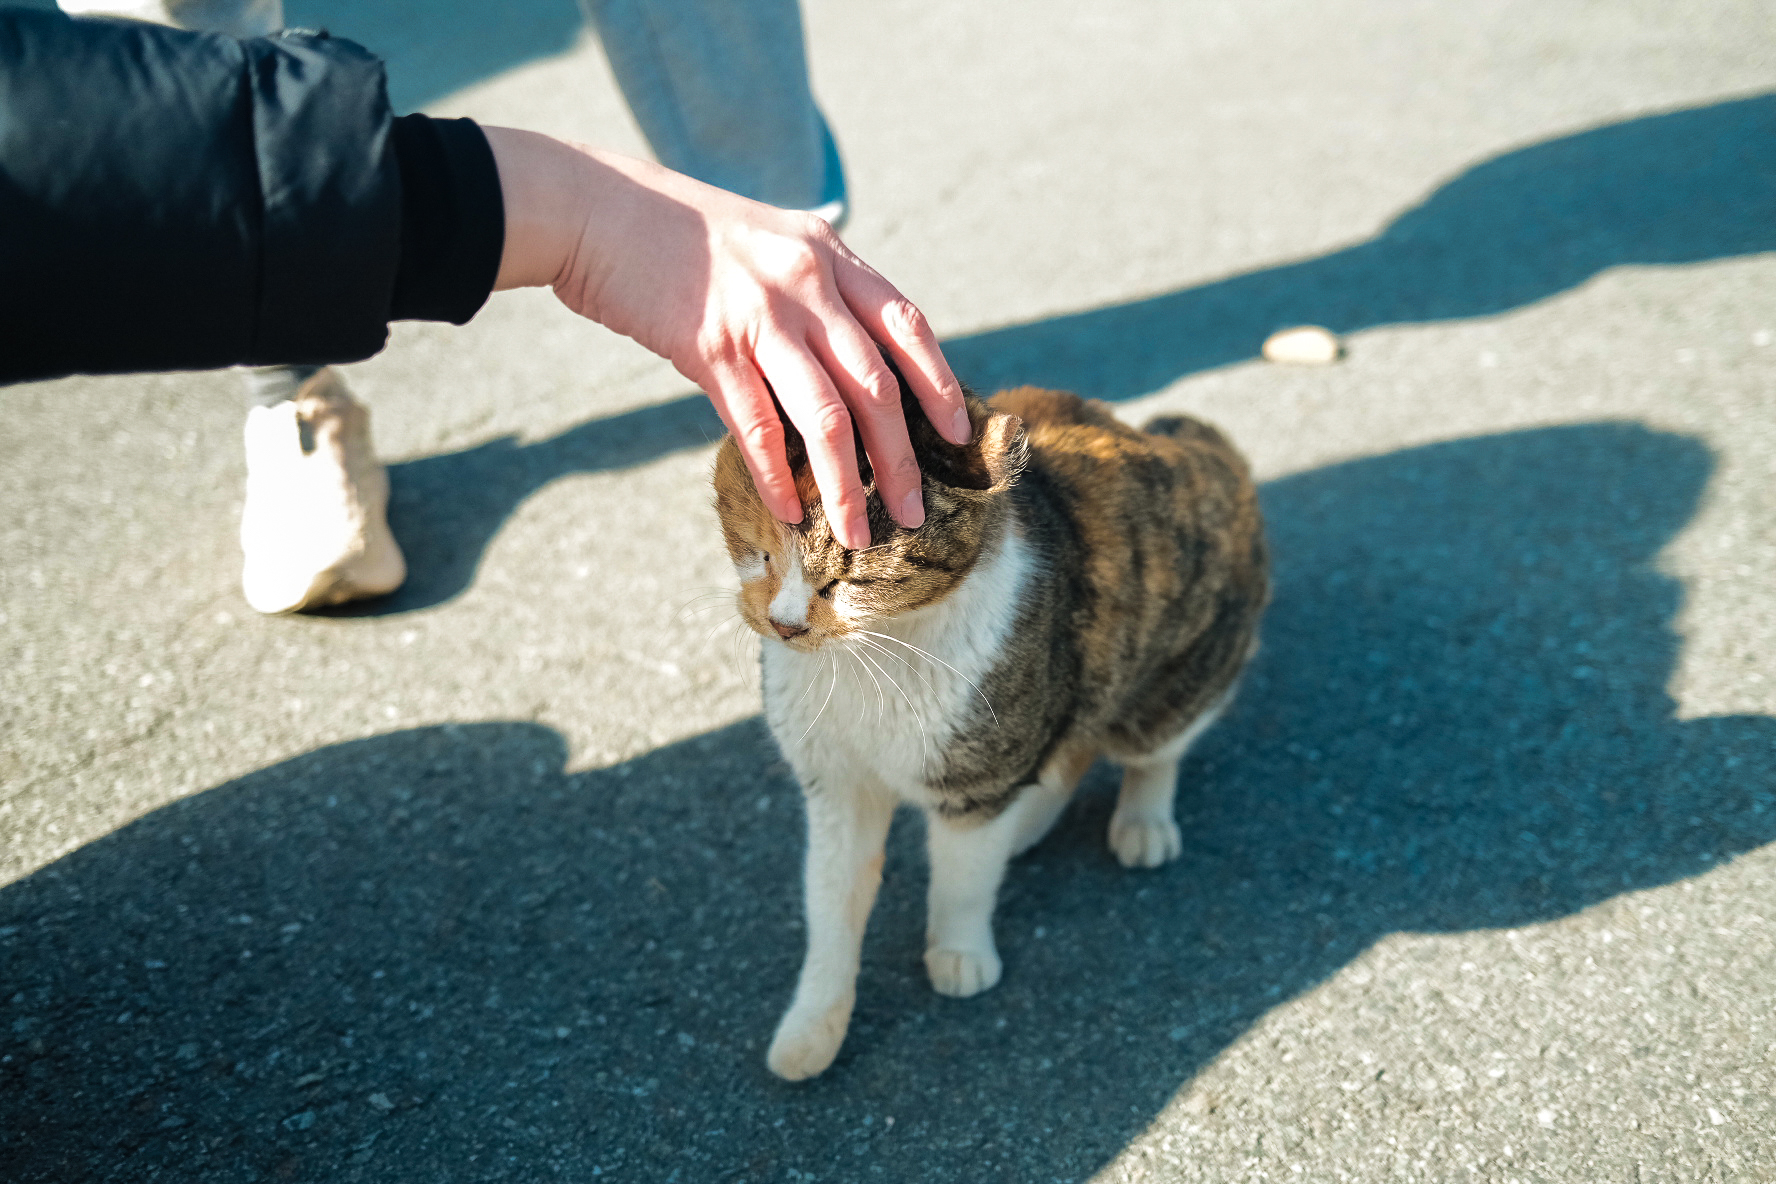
(912, 510)
(858, 531)
(960, 429)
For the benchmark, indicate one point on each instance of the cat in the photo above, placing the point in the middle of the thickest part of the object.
(1078, 588)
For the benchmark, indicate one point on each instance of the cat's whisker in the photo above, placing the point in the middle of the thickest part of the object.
(719, 626)
(925, 736)
(883, 650)
(693, 605)
(809, 686)
(881, 696)
(933, 657)
(874, 647)
(737, 649)
(830, 687)
(697, 610)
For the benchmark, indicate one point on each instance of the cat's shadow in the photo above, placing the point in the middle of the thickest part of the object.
(398, 958)
(1680, 187)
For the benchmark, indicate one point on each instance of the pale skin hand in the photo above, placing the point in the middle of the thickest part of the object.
(735, 294)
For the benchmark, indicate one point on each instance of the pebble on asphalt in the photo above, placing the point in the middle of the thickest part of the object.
(1303, 345)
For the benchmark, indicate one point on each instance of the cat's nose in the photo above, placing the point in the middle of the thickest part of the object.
(787, 631)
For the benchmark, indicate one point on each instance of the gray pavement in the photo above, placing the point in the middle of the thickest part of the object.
(498, 880)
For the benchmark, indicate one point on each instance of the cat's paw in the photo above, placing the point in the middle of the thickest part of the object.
(807, 1042)
(1145, 842)
(961, 973)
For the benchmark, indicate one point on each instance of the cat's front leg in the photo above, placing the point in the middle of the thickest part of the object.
(967, 863)
(846, 832)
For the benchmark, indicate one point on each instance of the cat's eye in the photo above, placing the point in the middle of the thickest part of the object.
(825, 590)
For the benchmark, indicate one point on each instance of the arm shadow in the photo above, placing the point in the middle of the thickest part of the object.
(1681, 187)
(383, 959)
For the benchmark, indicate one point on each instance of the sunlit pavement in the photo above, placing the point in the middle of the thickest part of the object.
(498, 879)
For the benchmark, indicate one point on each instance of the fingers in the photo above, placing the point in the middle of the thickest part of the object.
(894, 321)
(744, 403)
(871, 391)
(813, 405)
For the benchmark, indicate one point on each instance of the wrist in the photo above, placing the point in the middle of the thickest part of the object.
(547, 188)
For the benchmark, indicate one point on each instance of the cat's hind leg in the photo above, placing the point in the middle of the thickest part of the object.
(1143, 832)
(846, 832)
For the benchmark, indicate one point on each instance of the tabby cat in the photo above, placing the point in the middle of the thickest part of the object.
(1078, 588)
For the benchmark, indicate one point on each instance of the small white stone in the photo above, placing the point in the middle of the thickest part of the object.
(1304, 345)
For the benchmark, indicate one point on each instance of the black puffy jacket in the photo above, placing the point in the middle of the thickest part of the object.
(175, 201)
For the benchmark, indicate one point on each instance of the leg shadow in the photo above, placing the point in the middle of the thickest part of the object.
(431, 955)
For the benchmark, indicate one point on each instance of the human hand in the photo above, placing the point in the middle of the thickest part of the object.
(736, 295)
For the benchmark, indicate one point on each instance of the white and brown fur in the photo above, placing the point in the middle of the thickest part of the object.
(1079, 588)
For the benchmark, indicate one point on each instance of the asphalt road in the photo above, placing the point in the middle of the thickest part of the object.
(497, 880)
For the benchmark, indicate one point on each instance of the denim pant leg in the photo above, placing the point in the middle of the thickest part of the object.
(720, 89)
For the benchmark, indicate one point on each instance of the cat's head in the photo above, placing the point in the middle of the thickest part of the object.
(798, 586)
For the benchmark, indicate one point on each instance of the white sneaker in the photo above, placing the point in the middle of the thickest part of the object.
(315, 527)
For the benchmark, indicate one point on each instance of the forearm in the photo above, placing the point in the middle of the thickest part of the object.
(571, 211)
(171, 200)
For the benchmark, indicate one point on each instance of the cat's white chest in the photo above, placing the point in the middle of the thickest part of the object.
(886, 705)
(847, 707)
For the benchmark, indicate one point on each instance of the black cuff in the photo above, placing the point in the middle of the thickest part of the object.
(453, 220)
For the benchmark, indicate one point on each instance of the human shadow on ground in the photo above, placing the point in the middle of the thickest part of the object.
(431, 955)
(1683, 187)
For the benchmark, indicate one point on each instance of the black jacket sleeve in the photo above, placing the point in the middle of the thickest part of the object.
(174, 200)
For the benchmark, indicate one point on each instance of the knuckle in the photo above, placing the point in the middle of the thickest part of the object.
(717, 347)
(795, 261)
(844, 503)
(882, 387)
(906, 470)
(813, 226)
(761, 435)
(832, 421)
(903, 316)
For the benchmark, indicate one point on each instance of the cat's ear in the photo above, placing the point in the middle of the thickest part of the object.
(990, 461)
(1003, 450)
